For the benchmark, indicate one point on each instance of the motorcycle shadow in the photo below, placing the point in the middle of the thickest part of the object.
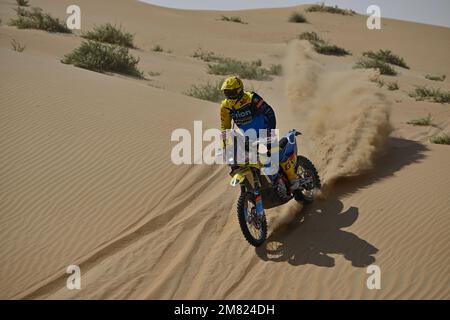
(312, 239)
(317, 234)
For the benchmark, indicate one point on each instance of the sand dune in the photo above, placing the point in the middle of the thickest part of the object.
(86, 176)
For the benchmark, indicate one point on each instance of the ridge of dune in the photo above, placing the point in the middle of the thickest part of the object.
(86, 176)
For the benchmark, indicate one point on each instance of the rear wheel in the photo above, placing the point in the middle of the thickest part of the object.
(309, 178)
(253, 225)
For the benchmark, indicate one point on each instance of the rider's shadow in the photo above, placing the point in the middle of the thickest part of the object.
(318, 231)
(319, 235)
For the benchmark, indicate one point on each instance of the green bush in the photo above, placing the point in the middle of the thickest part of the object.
(35, 18)
(329, 49)
(244, 69)
(386, 56)
(157, 48)
(323, 8)
(16, 46)
(233, 19)
(384, 68)
(441, 139)
(276, 69)
(297, 18)
(207, 56)
(435, 77)
(109, 33)
(20, 11)
(421, 93)
(209, 91)
(310, 36)
(321, 46)
(425, 121)
(153, 73)
(102, 57)
(227, 66)
(22, 3)
(378, 81)
(392, 86)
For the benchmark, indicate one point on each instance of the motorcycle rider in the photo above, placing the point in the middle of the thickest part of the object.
(249, 111)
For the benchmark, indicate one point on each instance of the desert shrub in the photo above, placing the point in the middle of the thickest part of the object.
(321, 46)
(153, 73)
(425, 121)
(392, 86)
(379, 81)
(22, 3)
(102, 57)
(329, 49)
(384, 68)
(16, 46)
(244, 69)
(386, 56)
(297, 17)
(323, 8)
(20, 11)
(35, 18)
(226, 66)
(276, 69)
(435, 77)
(207, 56)
(310, 36)
(157, 48)
(208, 91)
(233, 19)
(109, 33)
(443, 138)
(435, 95)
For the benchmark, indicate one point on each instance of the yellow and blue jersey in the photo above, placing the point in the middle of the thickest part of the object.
(249, 112)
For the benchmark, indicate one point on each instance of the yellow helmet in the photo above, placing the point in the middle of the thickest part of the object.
(233, 88)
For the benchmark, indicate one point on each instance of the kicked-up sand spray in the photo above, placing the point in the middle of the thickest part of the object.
(345, 118)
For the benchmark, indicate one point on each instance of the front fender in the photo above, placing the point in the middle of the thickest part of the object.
(237, 179)
(239, 175)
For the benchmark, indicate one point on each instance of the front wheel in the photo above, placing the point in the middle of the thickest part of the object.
(310, 180)
(253, 225)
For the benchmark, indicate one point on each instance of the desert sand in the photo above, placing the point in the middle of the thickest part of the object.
(86, 176)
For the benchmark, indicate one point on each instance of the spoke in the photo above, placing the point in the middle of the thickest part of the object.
(254, 231)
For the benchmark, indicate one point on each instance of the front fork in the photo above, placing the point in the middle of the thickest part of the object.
(257, 192)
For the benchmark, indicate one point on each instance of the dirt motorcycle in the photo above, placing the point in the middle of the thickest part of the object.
(259, 191)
